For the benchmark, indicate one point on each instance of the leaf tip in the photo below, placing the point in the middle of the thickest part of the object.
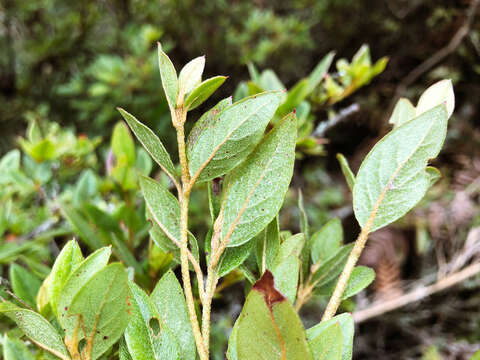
(266, 286)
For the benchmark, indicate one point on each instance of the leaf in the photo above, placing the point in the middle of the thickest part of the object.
(327, 346)
(234, 134)
(347, 172)
(294, 97)
(254, 191)
(100, 307)
(326, 241)
(317, 75)
(86, 187)
(346, 325)
(268, 245)
(404, 111)
(146, 336)
(169, 301)
(207, 120)
(122, 145)
(233, 257)
(81, 226)
(151, 143)
(123, 352)
(287, 266)
(75, 281)
(163, 207)
(304, 227)
(24, 284)
(268, 327)
(203, 91)
(15, 349)
(37, 328)
(439, 93)
(360, 278)
(332, 267)
(169, 78)
(189, 77)
(232, 352)
(67, 261)
(433, 175)
(392, 178)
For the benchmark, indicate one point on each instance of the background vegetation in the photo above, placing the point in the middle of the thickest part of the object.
(65, 66)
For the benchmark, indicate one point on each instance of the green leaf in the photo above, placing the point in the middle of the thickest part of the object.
(207, 120)
(433, 175)
(268, 80)
(347, 172)
(347, 328)
(232, 137)
(269, 327)
(268, 245)
(86, 232)
(326, 241)
(122, 145)
(392, 178)
(151, 143)
(15, 349)
(147, 336)
(317, 75)
(37, 328)
(360, 278)
(286, 268)
(123, 352)
(404, 111)
(163, 207)
(86, 187)
(24, 284)
(294, 97)
(75, 281)
(304, 227)
(254, 191)
(439, 93)
(67, 261)
(143, 162)
(232, 352)
(169, 301)
(169, 78)
(189, 77)
(203, 91)
(327, 346)
(332, 267)
(100, 307)
(233, 257)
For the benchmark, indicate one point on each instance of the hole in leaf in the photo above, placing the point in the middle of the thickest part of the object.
(155, 326)
(81, 345)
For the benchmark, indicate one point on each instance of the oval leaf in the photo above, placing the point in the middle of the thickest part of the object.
(392, 178)
(232, 137)
(151, 143)
(438, 93)
(37, 328)
(169, 78)
(189, 77)
(326, 241)
(268, 327)
(254, 191)
(203, 91)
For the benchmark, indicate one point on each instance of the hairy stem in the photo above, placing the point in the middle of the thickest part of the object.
(337, 295)
(184, 196)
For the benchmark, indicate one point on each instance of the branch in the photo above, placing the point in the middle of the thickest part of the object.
(417, 294)
(441, 54)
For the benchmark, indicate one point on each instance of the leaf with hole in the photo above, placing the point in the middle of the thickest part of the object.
(168, 299)
(100, 308)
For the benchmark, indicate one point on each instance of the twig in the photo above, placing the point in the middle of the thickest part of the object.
(417, 294)
(441, 54)
(342, 115)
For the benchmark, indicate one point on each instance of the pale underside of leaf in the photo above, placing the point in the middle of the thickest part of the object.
(393, 177)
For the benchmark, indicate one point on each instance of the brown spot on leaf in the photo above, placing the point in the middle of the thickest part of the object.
(266, 286)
